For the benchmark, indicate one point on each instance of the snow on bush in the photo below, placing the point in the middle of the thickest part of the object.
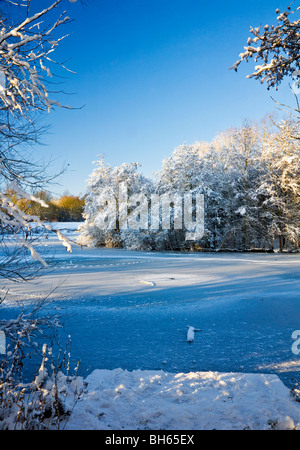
(46, 401)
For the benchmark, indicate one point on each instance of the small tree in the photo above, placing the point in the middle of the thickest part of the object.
(70, 208)
(103, 221)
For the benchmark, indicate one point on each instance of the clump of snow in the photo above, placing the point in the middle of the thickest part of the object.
(148, 283)
(42, 373)
(152, 400)
(191, 333)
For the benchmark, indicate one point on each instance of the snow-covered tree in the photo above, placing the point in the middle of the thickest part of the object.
(249, 177)
(274, 48)
(28, 39)
(240, 151)
(280, 182)
(186, 171)
(182, 171)
(106, 208)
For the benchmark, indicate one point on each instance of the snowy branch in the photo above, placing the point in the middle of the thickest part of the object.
(276, 48)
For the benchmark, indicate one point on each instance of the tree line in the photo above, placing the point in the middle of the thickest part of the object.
(67, 208)
(250, 179)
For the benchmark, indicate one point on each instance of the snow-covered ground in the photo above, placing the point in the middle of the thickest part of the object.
(153, 400)
(131, 310)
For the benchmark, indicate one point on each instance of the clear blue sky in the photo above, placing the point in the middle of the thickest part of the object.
(153, 74)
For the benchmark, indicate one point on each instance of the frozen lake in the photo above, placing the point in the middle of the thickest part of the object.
(130, 310)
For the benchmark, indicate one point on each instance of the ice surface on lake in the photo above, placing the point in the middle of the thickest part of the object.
(247, 306)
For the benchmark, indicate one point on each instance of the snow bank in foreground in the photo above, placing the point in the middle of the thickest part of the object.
(152, 400)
